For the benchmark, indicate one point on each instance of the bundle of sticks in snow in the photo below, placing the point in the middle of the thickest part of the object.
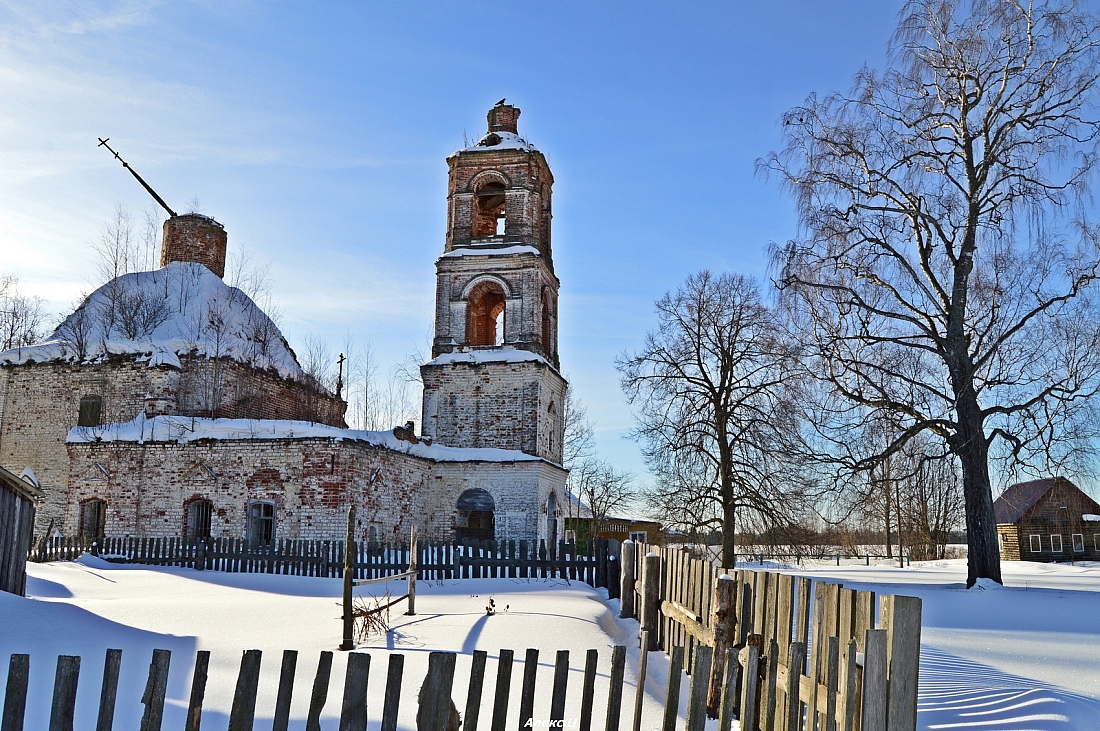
(372, 616)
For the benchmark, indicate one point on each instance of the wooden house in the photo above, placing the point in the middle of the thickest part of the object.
(18, 499)
(1047, 520)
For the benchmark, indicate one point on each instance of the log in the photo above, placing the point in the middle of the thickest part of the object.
(723, 629)
(626, 595)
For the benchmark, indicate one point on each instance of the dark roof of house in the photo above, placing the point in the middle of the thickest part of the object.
(23, 488)
(1022, 497)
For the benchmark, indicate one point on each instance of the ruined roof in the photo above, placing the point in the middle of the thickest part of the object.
(178, 309)
(499, 140)
(186, 429)
(1019, 498)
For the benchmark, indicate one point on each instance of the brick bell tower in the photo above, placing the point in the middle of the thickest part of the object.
(494, 380)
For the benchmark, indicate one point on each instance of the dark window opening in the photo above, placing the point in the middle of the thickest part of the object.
(91, 410)
(546, 322)
(198, 519)
(261, 522)
(93, 519)
(475, 520)
(552, 521)
(485, 315)
(489, 211)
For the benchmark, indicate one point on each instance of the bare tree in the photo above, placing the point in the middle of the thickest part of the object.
(603, 489)
(711, 388)
(20, 316)
(944, 267)
(579, 440)
(76, 329)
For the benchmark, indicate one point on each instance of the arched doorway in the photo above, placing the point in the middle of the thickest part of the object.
(475, 521)
(485, 314)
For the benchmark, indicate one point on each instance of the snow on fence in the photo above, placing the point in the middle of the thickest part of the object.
(836, 672)
(594, 564)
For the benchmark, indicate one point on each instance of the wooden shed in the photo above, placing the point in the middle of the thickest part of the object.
(18, 499)
(1047, 520)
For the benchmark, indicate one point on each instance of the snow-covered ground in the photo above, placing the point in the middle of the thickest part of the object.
(1022, 656)
(86, 606)
(1025, 656)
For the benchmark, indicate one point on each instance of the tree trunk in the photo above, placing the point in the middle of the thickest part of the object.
(729, 522)
(984, 556)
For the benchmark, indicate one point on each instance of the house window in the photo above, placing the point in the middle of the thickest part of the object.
(1055, 543)
(91, 410)
(1036, 543)
(1096, 541)
(261, 522)
(198, 519)
(639, 536)
(93, 519)
(1078, 542)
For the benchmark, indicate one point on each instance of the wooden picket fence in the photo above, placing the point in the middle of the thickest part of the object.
(809, 652)
(594, 564)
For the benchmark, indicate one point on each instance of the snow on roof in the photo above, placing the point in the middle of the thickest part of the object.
(179, 309)
(499, 141)
(185, 429)
(501, 251)
(1091, 518)
(503, 355)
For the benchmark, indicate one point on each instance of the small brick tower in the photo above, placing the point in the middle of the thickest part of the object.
(494, 380)
(196, 238)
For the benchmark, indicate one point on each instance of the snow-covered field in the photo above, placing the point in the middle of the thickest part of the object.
(1026, 656)
(86, 606)
(1022, 656)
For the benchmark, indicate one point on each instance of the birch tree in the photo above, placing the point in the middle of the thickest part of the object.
(946, 263)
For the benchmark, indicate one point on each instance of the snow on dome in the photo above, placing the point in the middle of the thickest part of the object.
(500, 140)
(184, 429)
(179, 309)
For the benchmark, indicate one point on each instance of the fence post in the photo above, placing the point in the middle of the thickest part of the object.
(349, 579)
(626, 594)
(651, 604)
(412, 572)
(64, 693)
(901, 618)
(724, 619)
(435, 701)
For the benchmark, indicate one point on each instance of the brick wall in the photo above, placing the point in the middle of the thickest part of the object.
(312, 482)
(495, 404)
(39, 403)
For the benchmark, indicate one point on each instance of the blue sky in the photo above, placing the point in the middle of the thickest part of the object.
(317, 133)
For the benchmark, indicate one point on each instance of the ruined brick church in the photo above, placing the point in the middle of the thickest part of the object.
(169, 404)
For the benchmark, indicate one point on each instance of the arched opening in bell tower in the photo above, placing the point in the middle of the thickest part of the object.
(485, 315)
(489, 210)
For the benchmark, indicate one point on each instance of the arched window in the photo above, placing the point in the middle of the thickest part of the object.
(489, 210)
(475, 521)
(261, 522)
(547, 325)
(485, 315)
(198, 518)
(552, 523)
(93, 518)
(91, 411)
